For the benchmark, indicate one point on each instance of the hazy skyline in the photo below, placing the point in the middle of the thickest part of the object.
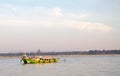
(59, 25)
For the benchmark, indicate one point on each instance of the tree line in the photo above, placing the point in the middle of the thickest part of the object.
(90, 52)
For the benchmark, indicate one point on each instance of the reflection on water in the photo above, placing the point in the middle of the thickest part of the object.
(67, 66)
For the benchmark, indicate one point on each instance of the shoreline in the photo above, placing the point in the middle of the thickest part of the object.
(67, 55)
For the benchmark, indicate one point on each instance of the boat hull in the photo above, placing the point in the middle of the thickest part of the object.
(35, 61)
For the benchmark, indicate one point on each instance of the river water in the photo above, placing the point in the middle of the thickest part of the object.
(83, 65)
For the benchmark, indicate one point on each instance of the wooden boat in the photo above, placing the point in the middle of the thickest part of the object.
(38, 59)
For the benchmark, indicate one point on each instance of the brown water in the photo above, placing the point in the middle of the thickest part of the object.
(67, 66)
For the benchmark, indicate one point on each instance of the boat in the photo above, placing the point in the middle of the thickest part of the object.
(38, 59)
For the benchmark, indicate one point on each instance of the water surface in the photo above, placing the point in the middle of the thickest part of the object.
(84, 65)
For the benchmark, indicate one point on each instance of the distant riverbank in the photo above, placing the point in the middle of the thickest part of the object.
(90, 52)
(67, 55)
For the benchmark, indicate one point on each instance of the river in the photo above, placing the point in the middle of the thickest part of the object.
(80, 65)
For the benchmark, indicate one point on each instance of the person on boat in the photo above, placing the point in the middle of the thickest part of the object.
(40, 56)
(24, 56)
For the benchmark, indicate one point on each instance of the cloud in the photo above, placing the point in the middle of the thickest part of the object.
(77, 15)
(82, 26)
(57, 11)
(48, 17)
(90, 26)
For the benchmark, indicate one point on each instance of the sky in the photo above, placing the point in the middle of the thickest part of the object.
(59, 25)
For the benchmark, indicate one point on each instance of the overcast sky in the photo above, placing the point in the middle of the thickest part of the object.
(59, 25)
